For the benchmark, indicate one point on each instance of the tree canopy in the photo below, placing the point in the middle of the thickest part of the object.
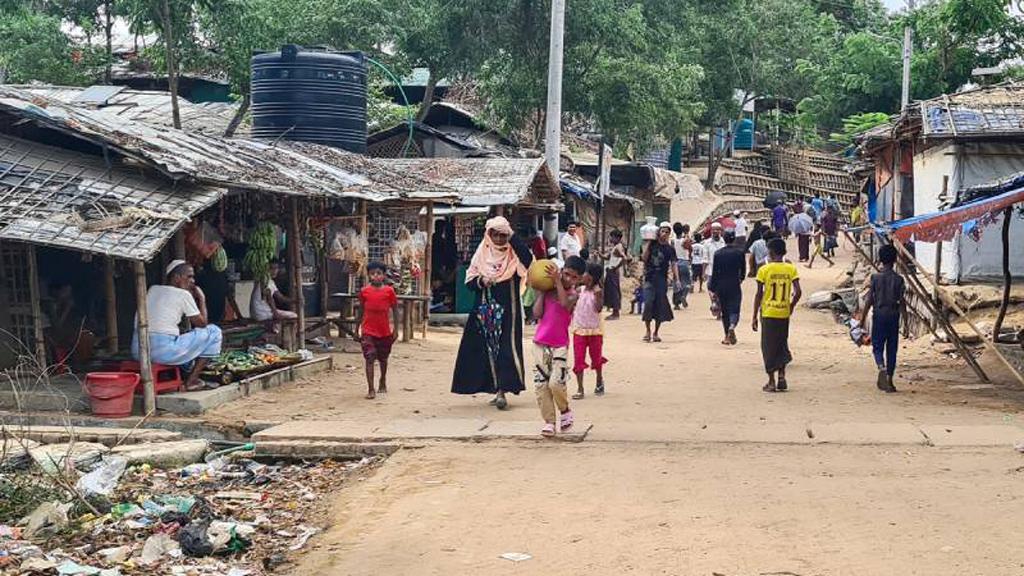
(639, 72)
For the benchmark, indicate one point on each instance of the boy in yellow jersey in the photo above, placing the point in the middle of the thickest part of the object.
(778, 291)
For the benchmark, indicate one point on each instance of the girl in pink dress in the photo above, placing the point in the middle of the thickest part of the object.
(588, 330)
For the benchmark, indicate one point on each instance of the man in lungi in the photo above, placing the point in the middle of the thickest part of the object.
(778, 291)
(167, 304)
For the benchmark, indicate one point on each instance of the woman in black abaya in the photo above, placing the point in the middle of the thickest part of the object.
(496, 272)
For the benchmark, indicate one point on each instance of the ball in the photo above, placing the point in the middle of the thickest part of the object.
(537, 276)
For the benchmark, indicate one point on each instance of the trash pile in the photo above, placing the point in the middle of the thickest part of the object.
(227, 516)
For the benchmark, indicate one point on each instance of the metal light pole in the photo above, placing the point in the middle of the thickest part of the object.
(553, 129)
(908, 51)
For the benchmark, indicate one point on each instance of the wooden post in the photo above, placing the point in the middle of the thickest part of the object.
(938, 261)
(37, 312)
(179, 245)
(110, 291)
(950, 303)
(364, 230)
(938, 277)
(145, 363)
(294, 247)
(1007, 278)
(428, 269)
(324, 285)
(942, 321)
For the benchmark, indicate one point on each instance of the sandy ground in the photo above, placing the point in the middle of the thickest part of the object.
(688, 378)
(638, 498)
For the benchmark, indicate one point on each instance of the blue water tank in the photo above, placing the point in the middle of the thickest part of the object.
(310, 95)
(745, 134)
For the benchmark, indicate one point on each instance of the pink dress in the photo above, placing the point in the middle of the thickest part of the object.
(588, 334)
(553, 327)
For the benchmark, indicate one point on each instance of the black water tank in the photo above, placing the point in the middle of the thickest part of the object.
(310, 95)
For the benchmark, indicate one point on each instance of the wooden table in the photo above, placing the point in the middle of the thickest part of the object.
(408, 303)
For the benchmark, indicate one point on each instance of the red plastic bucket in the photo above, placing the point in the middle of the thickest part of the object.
(110, 393)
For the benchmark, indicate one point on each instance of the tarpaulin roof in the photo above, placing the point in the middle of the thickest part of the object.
(585, 191)
(983, 112)
(56, 197)
(943, 226)
(279, 167)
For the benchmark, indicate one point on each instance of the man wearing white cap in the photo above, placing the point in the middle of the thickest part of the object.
(167, 304)
(741, 228)
(712, 245)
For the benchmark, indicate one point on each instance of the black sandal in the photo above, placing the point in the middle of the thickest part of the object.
(769, 387)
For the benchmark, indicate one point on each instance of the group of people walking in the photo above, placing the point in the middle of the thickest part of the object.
(678, 260)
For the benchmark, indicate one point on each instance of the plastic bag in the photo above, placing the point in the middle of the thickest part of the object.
(103, 480)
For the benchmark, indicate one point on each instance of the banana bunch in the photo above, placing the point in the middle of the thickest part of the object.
(262, 249)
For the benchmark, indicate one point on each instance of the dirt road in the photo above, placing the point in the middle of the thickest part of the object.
(642, 496)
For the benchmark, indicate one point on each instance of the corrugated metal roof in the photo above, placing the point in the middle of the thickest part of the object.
(148, 107)
(283, 167)
(487, 181)
(56, 197)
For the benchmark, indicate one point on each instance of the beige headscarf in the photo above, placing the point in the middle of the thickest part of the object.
(497, 263)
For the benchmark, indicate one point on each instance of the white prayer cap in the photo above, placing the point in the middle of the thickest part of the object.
(174, 264)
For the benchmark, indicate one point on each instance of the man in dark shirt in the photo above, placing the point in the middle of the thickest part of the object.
(830, 226)
(730, 268)
(885, 295)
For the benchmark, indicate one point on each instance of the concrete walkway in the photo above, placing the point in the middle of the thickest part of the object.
(346, 433)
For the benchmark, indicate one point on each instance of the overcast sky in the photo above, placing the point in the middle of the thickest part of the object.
(895, 4)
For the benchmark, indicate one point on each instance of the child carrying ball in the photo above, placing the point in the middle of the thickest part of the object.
(554, 310)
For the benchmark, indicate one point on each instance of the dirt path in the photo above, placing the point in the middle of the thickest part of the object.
(654, 388)
(640, 497)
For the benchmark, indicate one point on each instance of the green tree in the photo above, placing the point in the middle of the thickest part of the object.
(33, 47)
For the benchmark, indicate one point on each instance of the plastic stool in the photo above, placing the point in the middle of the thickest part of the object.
(165, 378)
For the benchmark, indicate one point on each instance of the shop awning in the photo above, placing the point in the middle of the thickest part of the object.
(943, 226)
(55, 197)
(291, 168)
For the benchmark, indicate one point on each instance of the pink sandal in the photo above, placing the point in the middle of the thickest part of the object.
(566, 420)
(548, 430)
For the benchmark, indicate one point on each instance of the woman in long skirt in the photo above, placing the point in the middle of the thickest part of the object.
(659, 268)
(496, 272)
(615, 258)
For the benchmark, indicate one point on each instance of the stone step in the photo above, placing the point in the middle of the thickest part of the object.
(106, 436)
(459, 429)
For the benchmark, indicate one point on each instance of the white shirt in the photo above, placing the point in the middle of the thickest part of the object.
(166, 306)
(568, 245)
(699, 256)
(760, 251)
(681, 252)
(259, 308)
(741, 227)
(710, 247)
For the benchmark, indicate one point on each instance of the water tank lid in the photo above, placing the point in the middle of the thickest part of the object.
(290, 51)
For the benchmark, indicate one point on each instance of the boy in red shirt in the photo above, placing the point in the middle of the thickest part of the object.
(377, 334)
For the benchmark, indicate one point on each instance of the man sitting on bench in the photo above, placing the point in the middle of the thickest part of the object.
(266, 301)
(167, 305)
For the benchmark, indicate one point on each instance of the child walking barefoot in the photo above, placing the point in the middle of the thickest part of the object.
(377, 335)
(778, 291)
(551, 345)
(588, 330)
